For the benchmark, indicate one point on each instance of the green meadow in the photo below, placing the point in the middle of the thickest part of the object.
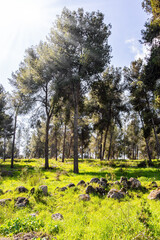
(133, 217)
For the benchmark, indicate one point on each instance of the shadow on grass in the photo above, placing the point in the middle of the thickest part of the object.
(13, 173)
(134, 172)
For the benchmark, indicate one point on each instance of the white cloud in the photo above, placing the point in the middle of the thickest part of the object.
(139, 50)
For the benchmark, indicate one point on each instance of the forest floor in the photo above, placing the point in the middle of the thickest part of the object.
(30, 210)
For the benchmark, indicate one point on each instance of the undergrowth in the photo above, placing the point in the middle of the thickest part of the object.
(134, 217)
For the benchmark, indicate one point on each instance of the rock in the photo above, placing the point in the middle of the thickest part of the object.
(44, 189)
(57, 216)
(134, 183)
(1, 191)
(81, 183)
(101, 191)
(153, 185)
(90, 189)
(21, 202)
(63, 189)
(94, 180)
(21, 189)
(71, 185)
(103, 180)
(123, 190)
(103, 184)
(123, 179)
(25, 236)
(9, 191)
(117, 183)
(124, 182)
(5, 173)
(113, 193)
(4, 201)
(155, 194)
(84, 197)
(32, 191)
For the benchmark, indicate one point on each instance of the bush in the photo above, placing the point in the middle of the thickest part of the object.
(21, 225)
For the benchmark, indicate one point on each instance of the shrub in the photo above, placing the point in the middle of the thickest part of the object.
(21, 225)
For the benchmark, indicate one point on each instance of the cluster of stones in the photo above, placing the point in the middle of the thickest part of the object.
(23, 201)
(126, 184)
(100, 189)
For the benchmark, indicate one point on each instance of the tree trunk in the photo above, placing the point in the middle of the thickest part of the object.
(137, 152)
(156, 138)
(56, 150)
(70, 145)
(76, 136)
(147, 143)
(14, 136)
(64, 143)
(148, 151)
(46, 143)
(104, 143)
(82, 150)
(155, 133)
(110, 145)
(4, 148)
(100, 149)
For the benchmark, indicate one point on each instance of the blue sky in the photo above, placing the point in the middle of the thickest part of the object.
(24, 23)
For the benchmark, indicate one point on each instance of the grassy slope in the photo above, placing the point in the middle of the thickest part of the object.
(134, 217)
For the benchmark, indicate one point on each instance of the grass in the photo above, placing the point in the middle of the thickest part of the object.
(134, 217)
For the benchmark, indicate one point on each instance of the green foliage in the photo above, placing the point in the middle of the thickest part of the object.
(98, 219)
(38, 195)
(144, 214)
(21, 225)
(53, 228)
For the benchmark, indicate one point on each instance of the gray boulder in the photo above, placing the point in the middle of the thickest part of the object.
(155, 194)
(21, 189)
(71, 185)
(103, 184)
(100, 191)
(124, 182)
(134, 183)
(113, 193)
(57, 216)
(103, 180)
(4, 201)
(44, 189)
(84, 197)
(63, 189)
(32, 191)
(81, 183)
(94, 180)
(117, 183)
(21, 202)
(1, 191)
(90, 189)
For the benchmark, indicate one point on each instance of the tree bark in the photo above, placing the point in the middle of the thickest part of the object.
(147, 143)
(156, 138)
(110, 145)
(104, 143)
(14, 137)
(4, 148)
(64, 143)
(56, 150)
(155, 133)
(70, 145)
(76, 170)
(46, 143)
(82, 150)
(100, 149)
